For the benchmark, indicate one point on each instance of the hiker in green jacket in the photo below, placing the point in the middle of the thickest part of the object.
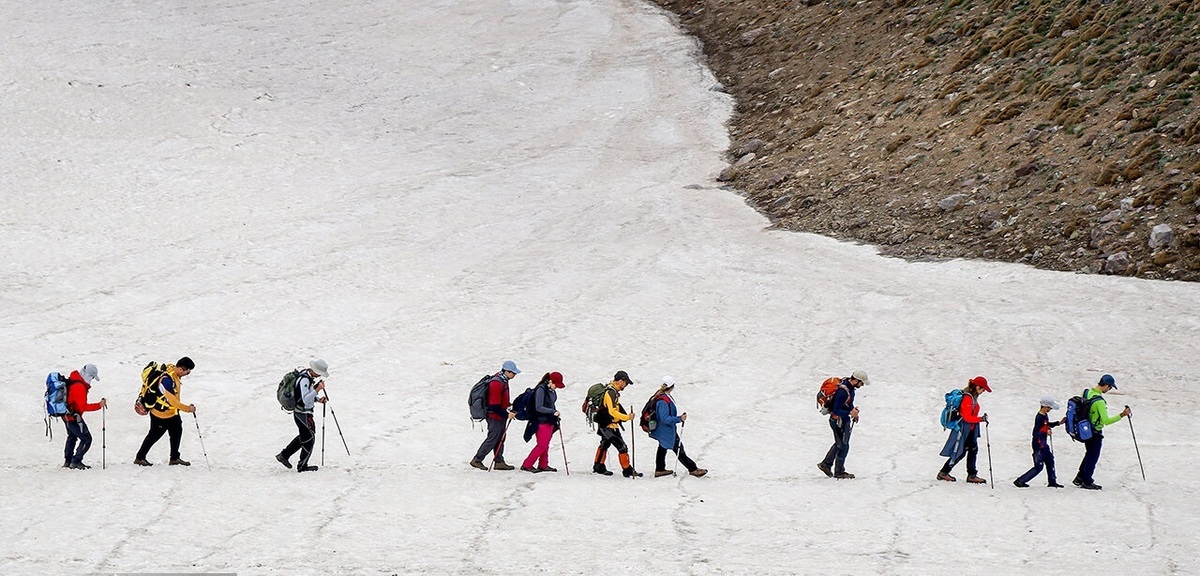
(1098, 414)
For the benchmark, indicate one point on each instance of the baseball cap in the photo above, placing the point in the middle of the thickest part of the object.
(1048, 401)
(1108, 380)
(510, 366)
(981, 382)
(621, 375)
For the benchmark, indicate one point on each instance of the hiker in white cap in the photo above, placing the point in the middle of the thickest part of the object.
(1043, 456)
(78, 385)
(306, 388)
(842, 417)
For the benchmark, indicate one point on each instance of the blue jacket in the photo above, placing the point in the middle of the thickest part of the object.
(843, 402)
(666, 417)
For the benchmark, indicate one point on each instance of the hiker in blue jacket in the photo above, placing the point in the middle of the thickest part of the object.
(843, 414)
(666, 416)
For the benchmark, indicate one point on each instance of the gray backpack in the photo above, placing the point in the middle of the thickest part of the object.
(478, 398)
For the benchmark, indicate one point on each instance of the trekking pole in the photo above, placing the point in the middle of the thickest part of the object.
(205, 452)
(1135, 446)
(323, 406)
(679, 445)
(988, 438)
(633, 450)
(564, 451)
(103, 438)
(333, 413)
(496, 450)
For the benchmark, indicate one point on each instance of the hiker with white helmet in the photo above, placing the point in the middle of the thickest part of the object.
(1043, 456)
(305, 393)
(662, 428)
(843, 414)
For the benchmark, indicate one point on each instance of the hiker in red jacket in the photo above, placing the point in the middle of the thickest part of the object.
(499, 412)
(78, 385)
(964, 440)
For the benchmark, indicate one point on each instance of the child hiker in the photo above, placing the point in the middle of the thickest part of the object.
(1042, 455)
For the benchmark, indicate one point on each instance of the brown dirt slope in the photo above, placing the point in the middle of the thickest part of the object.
(1062, 134)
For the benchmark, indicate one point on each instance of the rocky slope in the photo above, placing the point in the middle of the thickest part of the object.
(1062, 134)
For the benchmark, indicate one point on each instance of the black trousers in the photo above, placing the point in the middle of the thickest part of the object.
(611, 437)
(172, 426)
(660, 459)
(304, 440)
(77, 431)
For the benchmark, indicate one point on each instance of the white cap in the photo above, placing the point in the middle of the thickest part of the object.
(90, 373)
(668, 382)
(861, 376)
(320, 367)
(1048, 401)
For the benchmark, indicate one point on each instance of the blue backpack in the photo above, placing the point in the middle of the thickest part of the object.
(1079, 417)
(56, 395)
(523, 405)
(951, 419)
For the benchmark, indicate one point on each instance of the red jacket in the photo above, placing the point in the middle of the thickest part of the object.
(497, 398)
(77, 396)
(969, 410)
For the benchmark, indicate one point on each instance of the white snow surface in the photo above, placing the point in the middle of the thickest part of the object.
(417, 191)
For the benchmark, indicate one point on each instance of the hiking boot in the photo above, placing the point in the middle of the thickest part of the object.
(827, 469)
(502, 465)
(142, 462)
(79, 466)
(661, 473)
(972, 479)
(531, 469)
(478, 464)
(305, 468)
(180, 462)
(1077, 482)
(547, 469)
(1054, 485)
(1089, 486)
(699, 472)
(284, 461)
(631, 473)
(67, 464)
(946, 477)
(601, 469)
(843, 476)
(1019, 484)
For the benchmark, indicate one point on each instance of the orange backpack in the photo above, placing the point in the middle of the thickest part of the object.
(825, 394)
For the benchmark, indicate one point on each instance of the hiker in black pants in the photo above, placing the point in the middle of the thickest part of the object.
(608, 421)
(307, 388)
(164, 416)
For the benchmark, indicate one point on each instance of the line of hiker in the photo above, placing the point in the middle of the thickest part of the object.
(489, 401)
(160, 398)
(1087, 415)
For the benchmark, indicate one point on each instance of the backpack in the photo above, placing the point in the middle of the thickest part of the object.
(951, 418)
(56, 395)
(593, 402)
(477, 400)
(1079, 417)
(825, 394)
(649, 419)
(150, 393)
(287, 393)
(600, 416)
(522, 407)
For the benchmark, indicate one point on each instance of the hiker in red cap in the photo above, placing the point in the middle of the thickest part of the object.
(964, 439)
(543, 421)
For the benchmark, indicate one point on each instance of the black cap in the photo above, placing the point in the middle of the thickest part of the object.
(621, 375)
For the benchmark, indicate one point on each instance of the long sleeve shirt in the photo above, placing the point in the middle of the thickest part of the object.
(1041, 430)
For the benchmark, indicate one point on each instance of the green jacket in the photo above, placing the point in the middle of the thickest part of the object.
(1099, 411)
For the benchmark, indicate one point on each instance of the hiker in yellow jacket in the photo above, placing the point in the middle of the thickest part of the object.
(164, 416)
(608, 419)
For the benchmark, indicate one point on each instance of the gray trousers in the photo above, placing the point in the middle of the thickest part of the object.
(494, 441)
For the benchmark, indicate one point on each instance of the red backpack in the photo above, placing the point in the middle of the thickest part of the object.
(649, 419)
(825, 394)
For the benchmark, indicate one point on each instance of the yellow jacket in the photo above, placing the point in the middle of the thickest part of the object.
(168, 403)
(613, 406)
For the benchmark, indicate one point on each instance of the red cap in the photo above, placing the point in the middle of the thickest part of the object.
(556, 379)
(980, 382)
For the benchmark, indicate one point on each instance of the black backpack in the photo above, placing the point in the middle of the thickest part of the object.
(522, 407)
